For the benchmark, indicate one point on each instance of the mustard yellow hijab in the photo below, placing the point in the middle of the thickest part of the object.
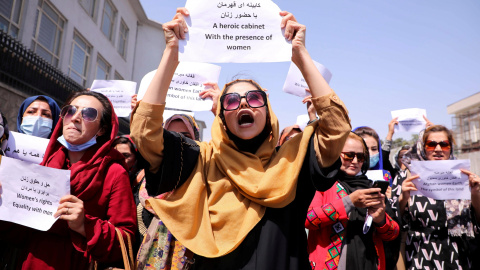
(228, 192)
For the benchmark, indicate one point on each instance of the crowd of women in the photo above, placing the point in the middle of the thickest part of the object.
(244, 199)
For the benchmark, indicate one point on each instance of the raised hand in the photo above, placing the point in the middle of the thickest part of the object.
(71, 209)
(212, 91)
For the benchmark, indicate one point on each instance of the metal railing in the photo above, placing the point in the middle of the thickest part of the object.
(24, 70)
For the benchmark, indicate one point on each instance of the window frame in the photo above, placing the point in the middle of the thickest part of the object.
(123, 37)
(11, 22)
(59, 31)
(97, 66)
(88, 54)
(112, 20)
(94, 12)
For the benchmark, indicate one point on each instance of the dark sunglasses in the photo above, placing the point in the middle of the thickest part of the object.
(88, 114)
(431, 145)
(254, 98)
(349, 156)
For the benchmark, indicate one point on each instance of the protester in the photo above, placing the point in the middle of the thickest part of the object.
(38, 116)
(234, 201)
(441, 233)
(100, 200)
(336, 217)
(127, 148)
(173, 254)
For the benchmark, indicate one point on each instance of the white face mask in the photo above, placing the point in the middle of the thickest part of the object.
(37, 126)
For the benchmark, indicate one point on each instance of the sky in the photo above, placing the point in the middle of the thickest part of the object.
(384, 56)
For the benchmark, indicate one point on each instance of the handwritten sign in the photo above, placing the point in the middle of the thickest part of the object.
(31, 193)
(26, 147)
(410, 120)
(441, 179)
(295, 84)
(186, 84)
(119, 92)
(234, 32)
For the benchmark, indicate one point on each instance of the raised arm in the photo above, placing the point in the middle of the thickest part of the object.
(334, 125)
(146, 120)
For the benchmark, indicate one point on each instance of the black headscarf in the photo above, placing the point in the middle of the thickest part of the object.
(361, 252)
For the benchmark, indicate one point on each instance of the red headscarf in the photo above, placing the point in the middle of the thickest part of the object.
(88, 173)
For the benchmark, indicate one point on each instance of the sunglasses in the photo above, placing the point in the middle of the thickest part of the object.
(349, 156)
(254, 98)
(431, 145)
(88, 114)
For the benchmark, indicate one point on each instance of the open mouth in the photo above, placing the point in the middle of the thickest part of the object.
(245, 118)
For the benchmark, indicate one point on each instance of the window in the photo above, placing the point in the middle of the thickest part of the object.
(109, 14)
(79, 59)
(89, 6)
(122, 39)
(103, 69)
(10, 11)
(48, 33)
(118, 76)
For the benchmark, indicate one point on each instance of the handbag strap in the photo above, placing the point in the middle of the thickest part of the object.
(128, 262)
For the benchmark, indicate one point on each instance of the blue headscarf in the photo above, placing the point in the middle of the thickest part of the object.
(53, 107)
(386, 174)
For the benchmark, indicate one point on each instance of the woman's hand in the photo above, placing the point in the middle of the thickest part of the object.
(71, 209)
(378, 213)
(175, 29)
(428, 123)
(134, 102)
(294, 32)
(212, 92)
(474, 183)
(391, 128)
(363, 198)
(407, 186)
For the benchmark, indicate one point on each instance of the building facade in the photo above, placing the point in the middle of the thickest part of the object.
(466, 128)
(82, 40)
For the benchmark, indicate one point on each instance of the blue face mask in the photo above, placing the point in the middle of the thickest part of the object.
(77, 148)
(374, 160)
(36, 126)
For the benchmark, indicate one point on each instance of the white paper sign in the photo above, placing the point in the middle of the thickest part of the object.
(186, 84)
(295, 84)
(410, 120)
(119, 92)
(26, 147)
(302, 121)
(234, 31)
(375, 175)
(31, 193)
(441, 179)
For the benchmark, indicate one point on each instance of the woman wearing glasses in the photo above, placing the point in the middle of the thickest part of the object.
(337, 237)
(235, 202)
(441, 233)
(101, 198)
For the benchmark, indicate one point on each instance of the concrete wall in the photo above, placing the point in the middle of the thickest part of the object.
(474, 160)
(149, 50)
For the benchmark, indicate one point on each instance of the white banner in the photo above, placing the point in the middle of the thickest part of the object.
(26, 147)
(441, 179)
(410, 120)
(119, 92)
(234, 32)
(187, 83)
(31, 193)
(295, 84)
